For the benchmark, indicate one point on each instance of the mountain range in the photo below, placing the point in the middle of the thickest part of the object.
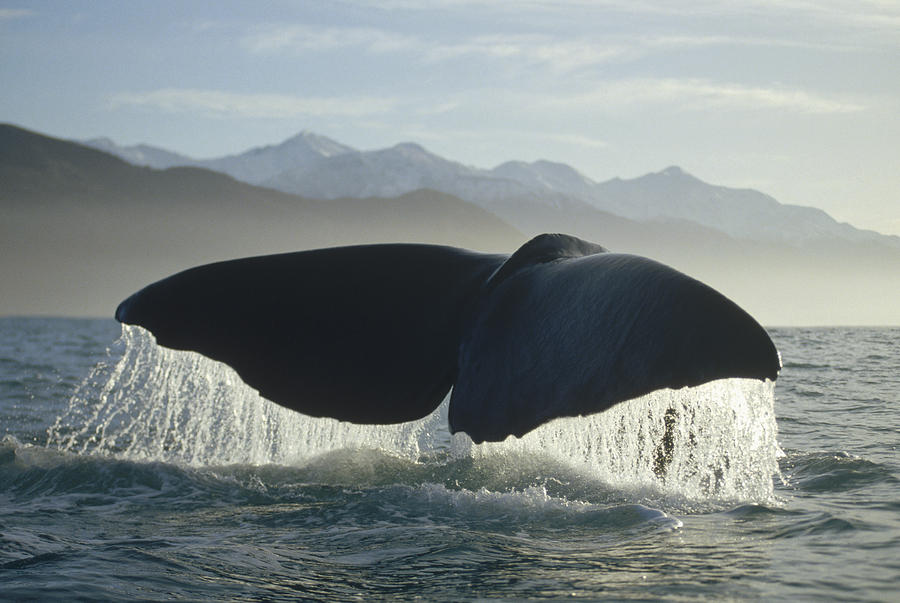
(80, 229)
(319, 167)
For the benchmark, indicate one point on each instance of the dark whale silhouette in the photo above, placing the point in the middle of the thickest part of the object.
(380, 333)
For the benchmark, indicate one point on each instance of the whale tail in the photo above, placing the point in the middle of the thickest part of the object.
(380, 333)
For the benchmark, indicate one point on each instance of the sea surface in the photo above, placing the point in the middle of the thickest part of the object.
(132, 472)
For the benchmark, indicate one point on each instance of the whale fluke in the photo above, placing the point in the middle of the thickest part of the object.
(380, 333)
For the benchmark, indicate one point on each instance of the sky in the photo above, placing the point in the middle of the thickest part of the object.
(797, 98)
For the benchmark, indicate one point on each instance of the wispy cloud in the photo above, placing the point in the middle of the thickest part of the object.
(217, 103)
(881, 17)
(566, 54)
(699, 95)
(677, 94)
(879, 13)
(561, 55)
(307, 38)
(557, 53)
(532, 48)
(579, 140)
(14, 13)
(840, 7)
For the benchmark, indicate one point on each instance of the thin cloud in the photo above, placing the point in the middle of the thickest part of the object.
(306, 38)
(533, 48)
(439, 108)
(579, 140)
(880, 15)
(558, 54)
(571, 54)
(698, 94)
(679, 94)
(650, 6)
(562, 55)
(884, 13)
(7, 14)
(218, 103)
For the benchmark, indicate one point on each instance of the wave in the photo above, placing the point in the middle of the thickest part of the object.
(824, 471)
(48, 481)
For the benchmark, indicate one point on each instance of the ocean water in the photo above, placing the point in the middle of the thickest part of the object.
(128, 471)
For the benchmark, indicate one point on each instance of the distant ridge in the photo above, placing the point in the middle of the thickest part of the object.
(80, 228)
(140, 154)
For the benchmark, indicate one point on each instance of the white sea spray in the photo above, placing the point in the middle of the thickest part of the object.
(155, 404)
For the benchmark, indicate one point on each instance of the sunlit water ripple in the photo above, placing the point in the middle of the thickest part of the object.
(151, 474)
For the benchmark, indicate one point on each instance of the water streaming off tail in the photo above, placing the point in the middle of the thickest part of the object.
(152, 403)
(174, 406)
(716, 440)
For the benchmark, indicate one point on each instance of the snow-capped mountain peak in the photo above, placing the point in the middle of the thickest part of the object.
(673, 171)
(318, 144)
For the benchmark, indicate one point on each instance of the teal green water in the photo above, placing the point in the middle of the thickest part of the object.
(143, 474)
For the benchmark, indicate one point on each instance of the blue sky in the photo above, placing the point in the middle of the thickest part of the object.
(797, 98)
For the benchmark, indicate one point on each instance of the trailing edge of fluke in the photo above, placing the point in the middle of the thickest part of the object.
(380, 333)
